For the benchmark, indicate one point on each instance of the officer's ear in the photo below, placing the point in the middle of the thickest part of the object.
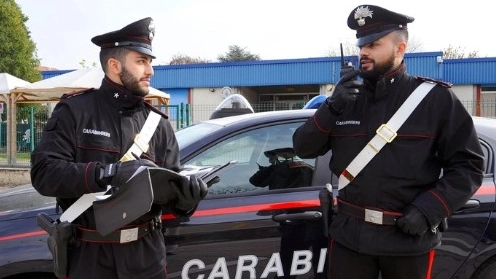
(114, 66)
(401, 49)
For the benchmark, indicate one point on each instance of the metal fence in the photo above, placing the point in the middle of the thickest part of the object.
(32, 120)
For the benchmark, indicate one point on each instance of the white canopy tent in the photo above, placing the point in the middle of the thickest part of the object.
(9, 82)
(50, 90)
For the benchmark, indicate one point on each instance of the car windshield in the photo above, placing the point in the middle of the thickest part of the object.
(192, 133)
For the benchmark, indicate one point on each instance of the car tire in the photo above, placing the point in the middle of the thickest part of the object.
(487, 270)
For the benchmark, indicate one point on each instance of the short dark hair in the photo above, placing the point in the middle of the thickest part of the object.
(118, 53)
(401, 35)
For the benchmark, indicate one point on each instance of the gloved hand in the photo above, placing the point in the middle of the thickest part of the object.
(189, 193)
(347, 89)
(413, 221)
(117, 174)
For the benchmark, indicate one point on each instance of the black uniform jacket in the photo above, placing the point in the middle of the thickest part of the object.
(439, 136)
(89, 129)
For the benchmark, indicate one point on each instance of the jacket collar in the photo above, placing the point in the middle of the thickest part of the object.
(387, 83)
(120, 97)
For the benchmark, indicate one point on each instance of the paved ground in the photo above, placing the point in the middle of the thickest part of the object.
(22, 197)
(5, 188)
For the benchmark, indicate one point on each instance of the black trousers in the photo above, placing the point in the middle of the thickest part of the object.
(302, 236)
(346, 263)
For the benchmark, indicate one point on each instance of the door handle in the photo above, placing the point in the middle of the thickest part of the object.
(307, 215)
(470, 204)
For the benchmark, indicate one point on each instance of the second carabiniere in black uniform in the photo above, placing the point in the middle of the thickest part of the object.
(390, 215)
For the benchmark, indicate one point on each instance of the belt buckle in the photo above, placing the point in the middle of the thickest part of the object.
(386, 133)
(129, 235)
(373, 216)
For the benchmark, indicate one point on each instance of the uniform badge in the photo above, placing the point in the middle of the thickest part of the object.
(361, 13)
(151, 29)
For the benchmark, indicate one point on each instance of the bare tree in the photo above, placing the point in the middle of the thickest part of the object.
(237, 53)
(84, 64)
(349, 49)
(182, 59)
(452, 52)
(414, 45)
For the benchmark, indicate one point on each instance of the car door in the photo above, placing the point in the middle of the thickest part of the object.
(244, 231)
(469, 240)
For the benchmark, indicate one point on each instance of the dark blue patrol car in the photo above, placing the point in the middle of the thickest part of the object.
(245, 231)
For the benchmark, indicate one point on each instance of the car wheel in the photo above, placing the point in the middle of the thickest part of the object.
(487, 270)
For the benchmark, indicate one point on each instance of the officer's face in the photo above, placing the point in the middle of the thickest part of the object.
(136, 72)
(379, 57)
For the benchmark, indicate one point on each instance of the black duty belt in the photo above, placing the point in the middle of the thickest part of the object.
(371, 215)
(124, 235)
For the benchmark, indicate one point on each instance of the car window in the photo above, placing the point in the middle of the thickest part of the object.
(187, 135)
(488, 157)
(262, 149)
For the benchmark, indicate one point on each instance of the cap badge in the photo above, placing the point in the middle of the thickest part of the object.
(361, 13)
(151, 29)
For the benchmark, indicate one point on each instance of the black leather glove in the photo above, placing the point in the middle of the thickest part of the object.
(117, 174)
(413, 221)
(189, 194)
(347, 89)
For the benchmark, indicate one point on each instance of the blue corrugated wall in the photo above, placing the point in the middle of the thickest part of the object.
(471, 71)
(322, 70)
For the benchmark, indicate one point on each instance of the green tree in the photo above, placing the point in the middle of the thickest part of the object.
(237, 53)
(182, 59)
(17, 51)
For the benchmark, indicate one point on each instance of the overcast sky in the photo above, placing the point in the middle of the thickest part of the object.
(273, 29)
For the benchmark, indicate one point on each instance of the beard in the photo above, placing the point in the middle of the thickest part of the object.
(131, 83)
(379, 69)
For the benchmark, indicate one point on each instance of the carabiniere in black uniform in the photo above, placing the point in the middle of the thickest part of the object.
(405, 171)
(100, 125)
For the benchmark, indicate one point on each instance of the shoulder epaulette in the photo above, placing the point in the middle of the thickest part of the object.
(156, 110)
(442, 83)
(77, 93)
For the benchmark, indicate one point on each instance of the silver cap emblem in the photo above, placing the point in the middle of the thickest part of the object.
(361, 13)
(151, 29)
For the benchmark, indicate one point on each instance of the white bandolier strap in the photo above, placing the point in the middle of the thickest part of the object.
(139, 146)
(141, 140)
(384, 134)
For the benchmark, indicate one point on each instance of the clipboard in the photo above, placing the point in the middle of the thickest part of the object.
(207, 174)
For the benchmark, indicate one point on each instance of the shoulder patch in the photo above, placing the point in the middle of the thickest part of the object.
(156, 110)
(77, 93)
(442, 83)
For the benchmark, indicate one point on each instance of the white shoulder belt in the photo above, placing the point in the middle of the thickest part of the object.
(384, 134)
(139, 146)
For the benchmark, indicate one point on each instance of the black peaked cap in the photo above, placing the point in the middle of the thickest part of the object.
(136, 36)
(374, 22)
